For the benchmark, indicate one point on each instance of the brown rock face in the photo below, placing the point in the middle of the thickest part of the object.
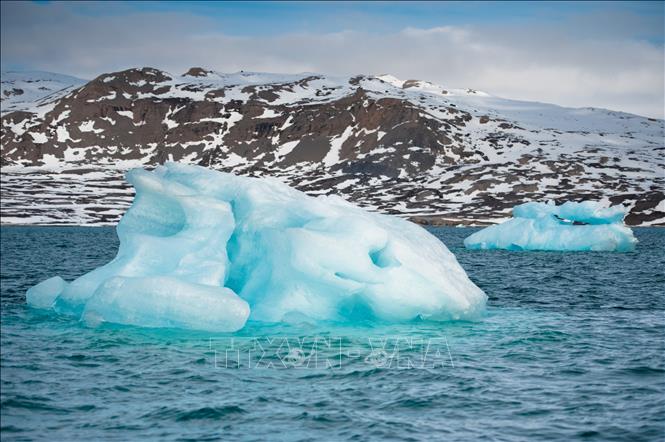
(397, 149)
(196, 72)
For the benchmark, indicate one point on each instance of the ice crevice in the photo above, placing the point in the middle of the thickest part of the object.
(206, 250)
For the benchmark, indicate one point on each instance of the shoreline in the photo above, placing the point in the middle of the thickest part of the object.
(424, 221)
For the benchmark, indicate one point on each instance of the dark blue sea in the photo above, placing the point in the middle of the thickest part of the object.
(572, 348)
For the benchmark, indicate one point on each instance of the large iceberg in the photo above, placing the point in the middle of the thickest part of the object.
(206, 250)
(585, 226)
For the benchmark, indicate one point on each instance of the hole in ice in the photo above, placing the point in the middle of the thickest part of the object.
(384, 258)
(342, 275)
(570, 221)
(355, 308)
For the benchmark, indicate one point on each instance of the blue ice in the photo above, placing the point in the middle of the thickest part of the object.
(205, 250)
(585, 226)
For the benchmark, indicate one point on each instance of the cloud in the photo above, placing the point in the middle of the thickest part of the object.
(550, 62)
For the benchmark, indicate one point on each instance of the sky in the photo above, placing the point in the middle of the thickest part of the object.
(579, 54)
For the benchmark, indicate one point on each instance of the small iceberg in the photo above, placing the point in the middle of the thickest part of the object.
(585, 226)
(206, 250)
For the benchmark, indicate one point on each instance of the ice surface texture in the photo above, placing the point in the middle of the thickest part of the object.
(205, 250)
(571, 226)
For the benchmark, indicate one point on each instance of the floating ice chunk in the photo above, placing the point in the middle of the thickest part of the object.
(43, 295)
(202, 250)
(164, 301)
(585, 226)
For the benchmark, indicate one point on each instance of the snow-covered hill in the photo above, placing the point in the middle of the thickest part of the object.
(34, 90)
(406, 147)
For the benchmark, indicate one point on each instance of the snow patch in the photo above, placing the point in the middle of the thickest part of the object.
(38, 138)
(126, 113)
(332, 157)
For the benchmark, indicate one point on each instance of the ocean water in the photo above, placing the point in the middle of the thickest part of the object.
(572, 347)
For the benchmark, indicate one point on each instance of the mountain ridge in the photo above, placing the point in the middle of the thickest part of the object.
(409, 147)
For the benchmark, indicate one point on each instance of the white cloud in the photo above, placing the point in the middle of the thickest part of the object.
(537, 63)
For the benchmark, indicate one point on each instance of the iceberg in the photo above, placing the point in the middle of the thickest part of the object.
(585, 226)
(44, 294)
(206, 250)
